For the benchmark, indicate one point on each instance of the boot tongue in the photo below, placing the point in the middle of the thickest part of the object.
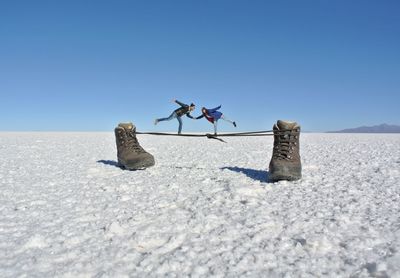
(286, 124)
(127, 126)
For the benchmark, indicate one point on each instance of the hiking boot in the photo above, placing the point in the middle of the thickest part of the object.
(285, 162)
(130, 154)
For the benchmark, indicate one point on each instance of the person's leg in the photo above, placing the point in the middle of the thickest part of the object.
(225, 119)
(180, 124)
(215, 127)
(170, 117)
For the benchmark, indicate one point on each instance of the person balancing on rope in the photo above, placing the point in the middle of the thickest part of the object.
(178, 113)
(213, 115)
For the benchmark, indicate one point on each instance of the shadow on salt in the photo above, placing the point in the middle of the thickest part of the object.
(258, 175)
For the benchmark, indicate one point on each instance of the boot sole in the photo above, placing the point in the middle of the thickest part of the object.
(138, 166)
(281, 177)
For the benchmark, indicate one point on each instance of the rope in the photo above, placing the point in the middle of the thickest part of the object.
(173, 134)
(247, 133)
(215, 136)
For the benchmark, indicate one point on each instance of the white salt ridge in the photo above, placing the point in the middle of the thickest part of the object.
(204, 210)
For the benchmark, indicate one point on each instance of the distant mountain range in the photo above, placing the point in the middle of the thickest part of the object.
(383, 128)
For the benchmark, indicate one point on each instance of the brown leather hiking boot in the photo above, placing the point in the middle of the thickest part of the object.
(285, 162)
(130, 154)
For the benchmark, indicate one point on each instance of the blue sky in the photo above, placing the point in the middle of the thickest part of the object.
(88, 65)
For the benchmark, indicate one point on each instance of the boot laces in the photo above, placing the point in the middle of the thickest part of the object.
(131, 141)
(286, 144)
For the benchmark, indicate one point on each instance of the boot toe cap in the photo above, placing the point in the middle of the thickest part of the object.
(138, 162)
(284, 170)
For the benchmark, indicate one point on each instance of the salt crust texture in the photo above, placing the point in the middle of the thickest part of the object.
(205, 209)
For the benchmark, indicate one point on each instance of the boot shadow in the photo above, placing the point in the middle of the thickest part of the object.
(258, 175)
(110, 162)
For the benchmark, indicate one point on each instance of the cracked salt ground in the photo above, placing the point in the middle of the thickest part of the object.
(204, 209)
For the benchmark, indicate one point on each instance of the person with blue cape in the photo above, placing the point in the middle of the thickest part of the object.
(213, 115)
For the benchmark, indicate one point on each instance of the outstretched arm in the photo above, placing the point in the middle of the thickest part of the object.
(180, 103)
(190, 116)
(214, 109)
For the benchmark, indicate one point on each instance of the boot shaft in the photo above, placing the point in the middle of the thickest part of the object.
(125, 137)
(286, 141)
